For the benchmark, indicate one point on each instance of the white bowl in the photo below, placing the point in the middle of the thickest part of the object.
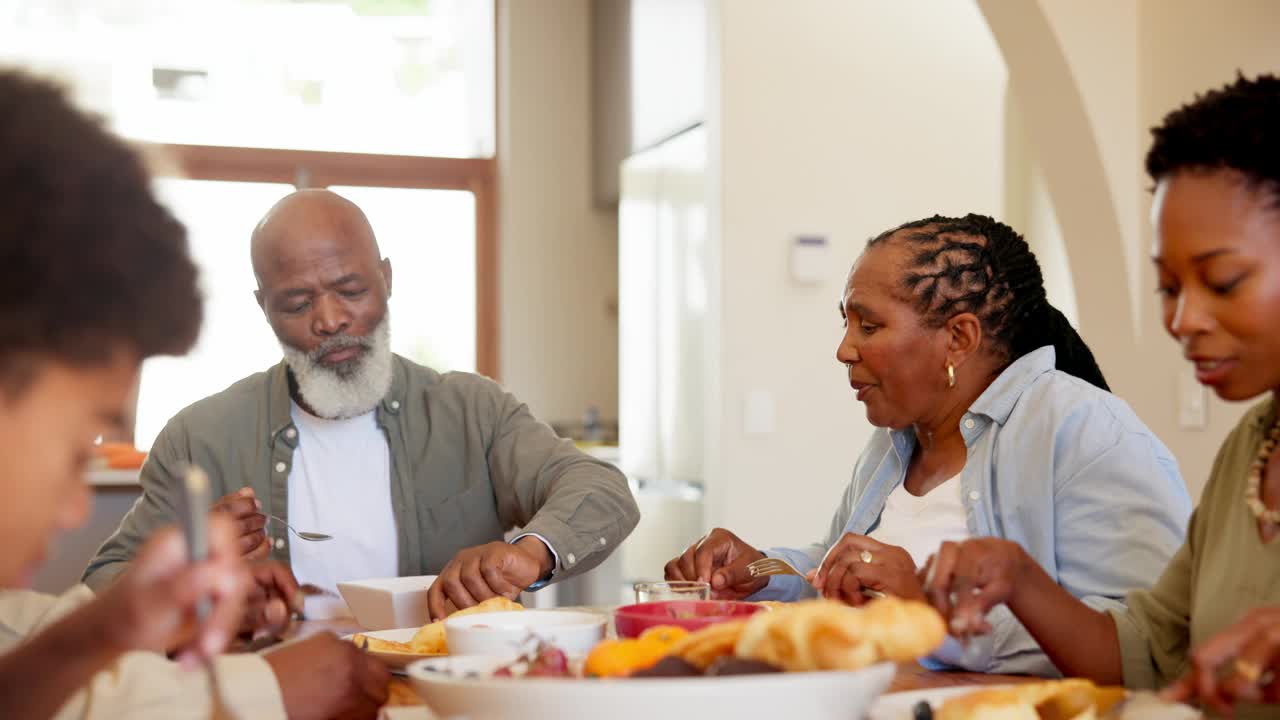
(444, 685)
(505, 633)
(388, 603)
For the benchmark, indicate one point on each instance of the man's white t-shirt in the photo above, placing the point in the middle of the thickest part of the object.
(340, 485)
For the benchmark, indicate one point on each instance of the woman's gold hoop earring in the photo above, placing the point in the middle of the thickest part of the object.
(951, 375)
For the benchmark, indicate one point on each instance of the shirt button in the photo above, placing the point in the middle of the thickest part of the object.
(974, 495)
(395, 404)
(572, 559)
(281, 467)
(279, 543)
(969, 423)
(603, 542)
(291, 433)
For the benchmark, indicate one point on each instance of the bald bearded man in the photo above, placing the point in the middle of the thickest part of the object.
(413, 472)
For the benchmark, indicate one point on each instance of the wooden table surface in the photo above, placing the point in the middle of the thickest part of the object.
(911, 676)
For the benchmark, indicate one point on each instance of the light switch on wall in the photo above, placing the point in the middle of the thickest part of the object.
(758, 413)
(810, 259)
(1193, 401)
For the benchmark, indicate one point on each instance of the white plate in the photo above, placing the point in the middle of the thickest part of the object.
(395, 661)
(897, 706)
(781, 696)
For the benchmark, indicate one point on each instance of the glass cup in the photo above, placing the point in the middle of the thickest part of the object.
(672, 590)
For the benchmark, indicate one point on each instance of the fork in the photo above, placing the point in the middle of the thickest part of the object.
(777, 566)
(308, 536)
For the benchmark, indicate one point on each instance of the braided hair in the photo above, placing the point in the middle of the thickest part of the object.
(1233, 128)
(977, 265)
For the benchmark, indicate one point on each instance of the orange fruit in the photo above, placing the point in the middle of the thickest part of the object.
(665, 635)
(619, 658)
(610, 658)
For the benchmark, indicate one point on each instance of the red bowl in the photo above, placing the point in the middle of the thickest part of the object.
(631, 620)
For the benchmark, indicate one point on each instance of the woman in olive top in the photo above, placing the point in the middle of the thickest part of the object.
(1205, 625)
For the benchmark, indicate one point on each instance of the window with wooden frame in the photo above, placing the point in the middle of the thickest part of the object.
(390, 103)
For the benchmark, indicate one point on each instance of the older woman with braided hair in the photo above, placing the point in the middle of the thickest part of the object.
(992, 419)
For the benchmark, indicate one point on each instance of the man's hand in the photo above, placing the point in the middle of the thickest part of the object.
(273, 597)
(324, 677)
(486, 571)
(245, 511)
(720, 559)
(857, 562)
(152, 605)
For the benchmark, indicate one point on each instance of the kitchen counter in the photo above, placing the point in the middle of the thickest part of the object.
(112, 478)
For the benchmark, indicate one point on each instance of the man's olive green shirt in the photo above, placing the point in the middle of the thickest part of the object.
(468, 463)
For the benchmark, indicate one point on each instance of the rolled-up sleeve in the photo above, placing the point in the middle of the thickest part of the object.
(146, 686)
(582, 507)
(143, 685)
(1154, 629)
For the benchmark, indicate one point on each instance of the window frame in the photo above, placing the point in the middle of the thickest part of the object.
(320, 169)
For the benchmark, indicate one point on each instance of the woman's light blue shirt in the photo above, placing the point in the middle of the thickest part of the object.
(1055, 464)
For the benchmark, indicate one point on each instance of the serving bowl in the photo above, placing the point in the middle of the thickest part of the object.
(631, 620)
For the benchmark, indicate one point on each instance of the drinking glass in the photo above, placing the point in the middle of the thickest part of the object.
(672, 590)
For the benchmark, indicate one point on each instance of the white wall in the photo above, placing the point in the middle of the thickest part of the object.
(1028, 208)
(843, 119)
(1154, 55)
(557, 253)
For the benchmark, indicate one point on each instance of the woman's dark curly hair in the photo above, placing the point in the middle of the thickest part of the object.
(977, 265)
(90, 262)
(1234, 128)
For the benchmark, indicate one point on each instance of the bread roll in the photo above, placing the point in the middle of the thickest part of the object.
(827, 635)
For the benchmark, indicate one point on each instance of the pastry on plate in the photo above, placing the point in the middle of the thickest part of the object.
(373, 644)
(827, 635)
(705, 646)
(430, 640)
(1071, 699)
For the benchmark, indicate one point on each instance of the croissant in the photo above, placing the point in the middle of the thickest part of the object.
(430, 638)
(1065, 699)
(827, 635)
(709, 644)
(903, 630)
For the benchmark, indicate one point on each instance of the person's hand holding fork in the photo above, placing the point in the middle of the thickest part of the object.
(858, 568)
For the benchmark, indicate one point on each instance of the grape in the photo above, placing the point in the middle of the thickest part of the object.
(554, 659)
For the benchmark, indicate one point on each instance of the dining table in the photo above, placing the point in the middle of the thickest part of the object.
(910, 675)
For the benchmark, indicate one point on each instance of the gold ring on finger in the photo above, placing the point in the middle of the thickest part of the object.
(1250, 672)
(865, 556)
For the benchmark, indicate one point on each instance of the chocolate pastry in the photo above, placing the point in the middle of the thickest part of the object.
(739, 666)
(669, 667)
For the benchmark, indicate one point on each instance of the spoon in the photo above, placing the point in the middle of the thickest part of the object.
(308, 536)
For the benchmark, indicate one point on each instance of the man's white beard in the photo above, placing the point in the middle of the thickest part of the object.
(351, 388)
